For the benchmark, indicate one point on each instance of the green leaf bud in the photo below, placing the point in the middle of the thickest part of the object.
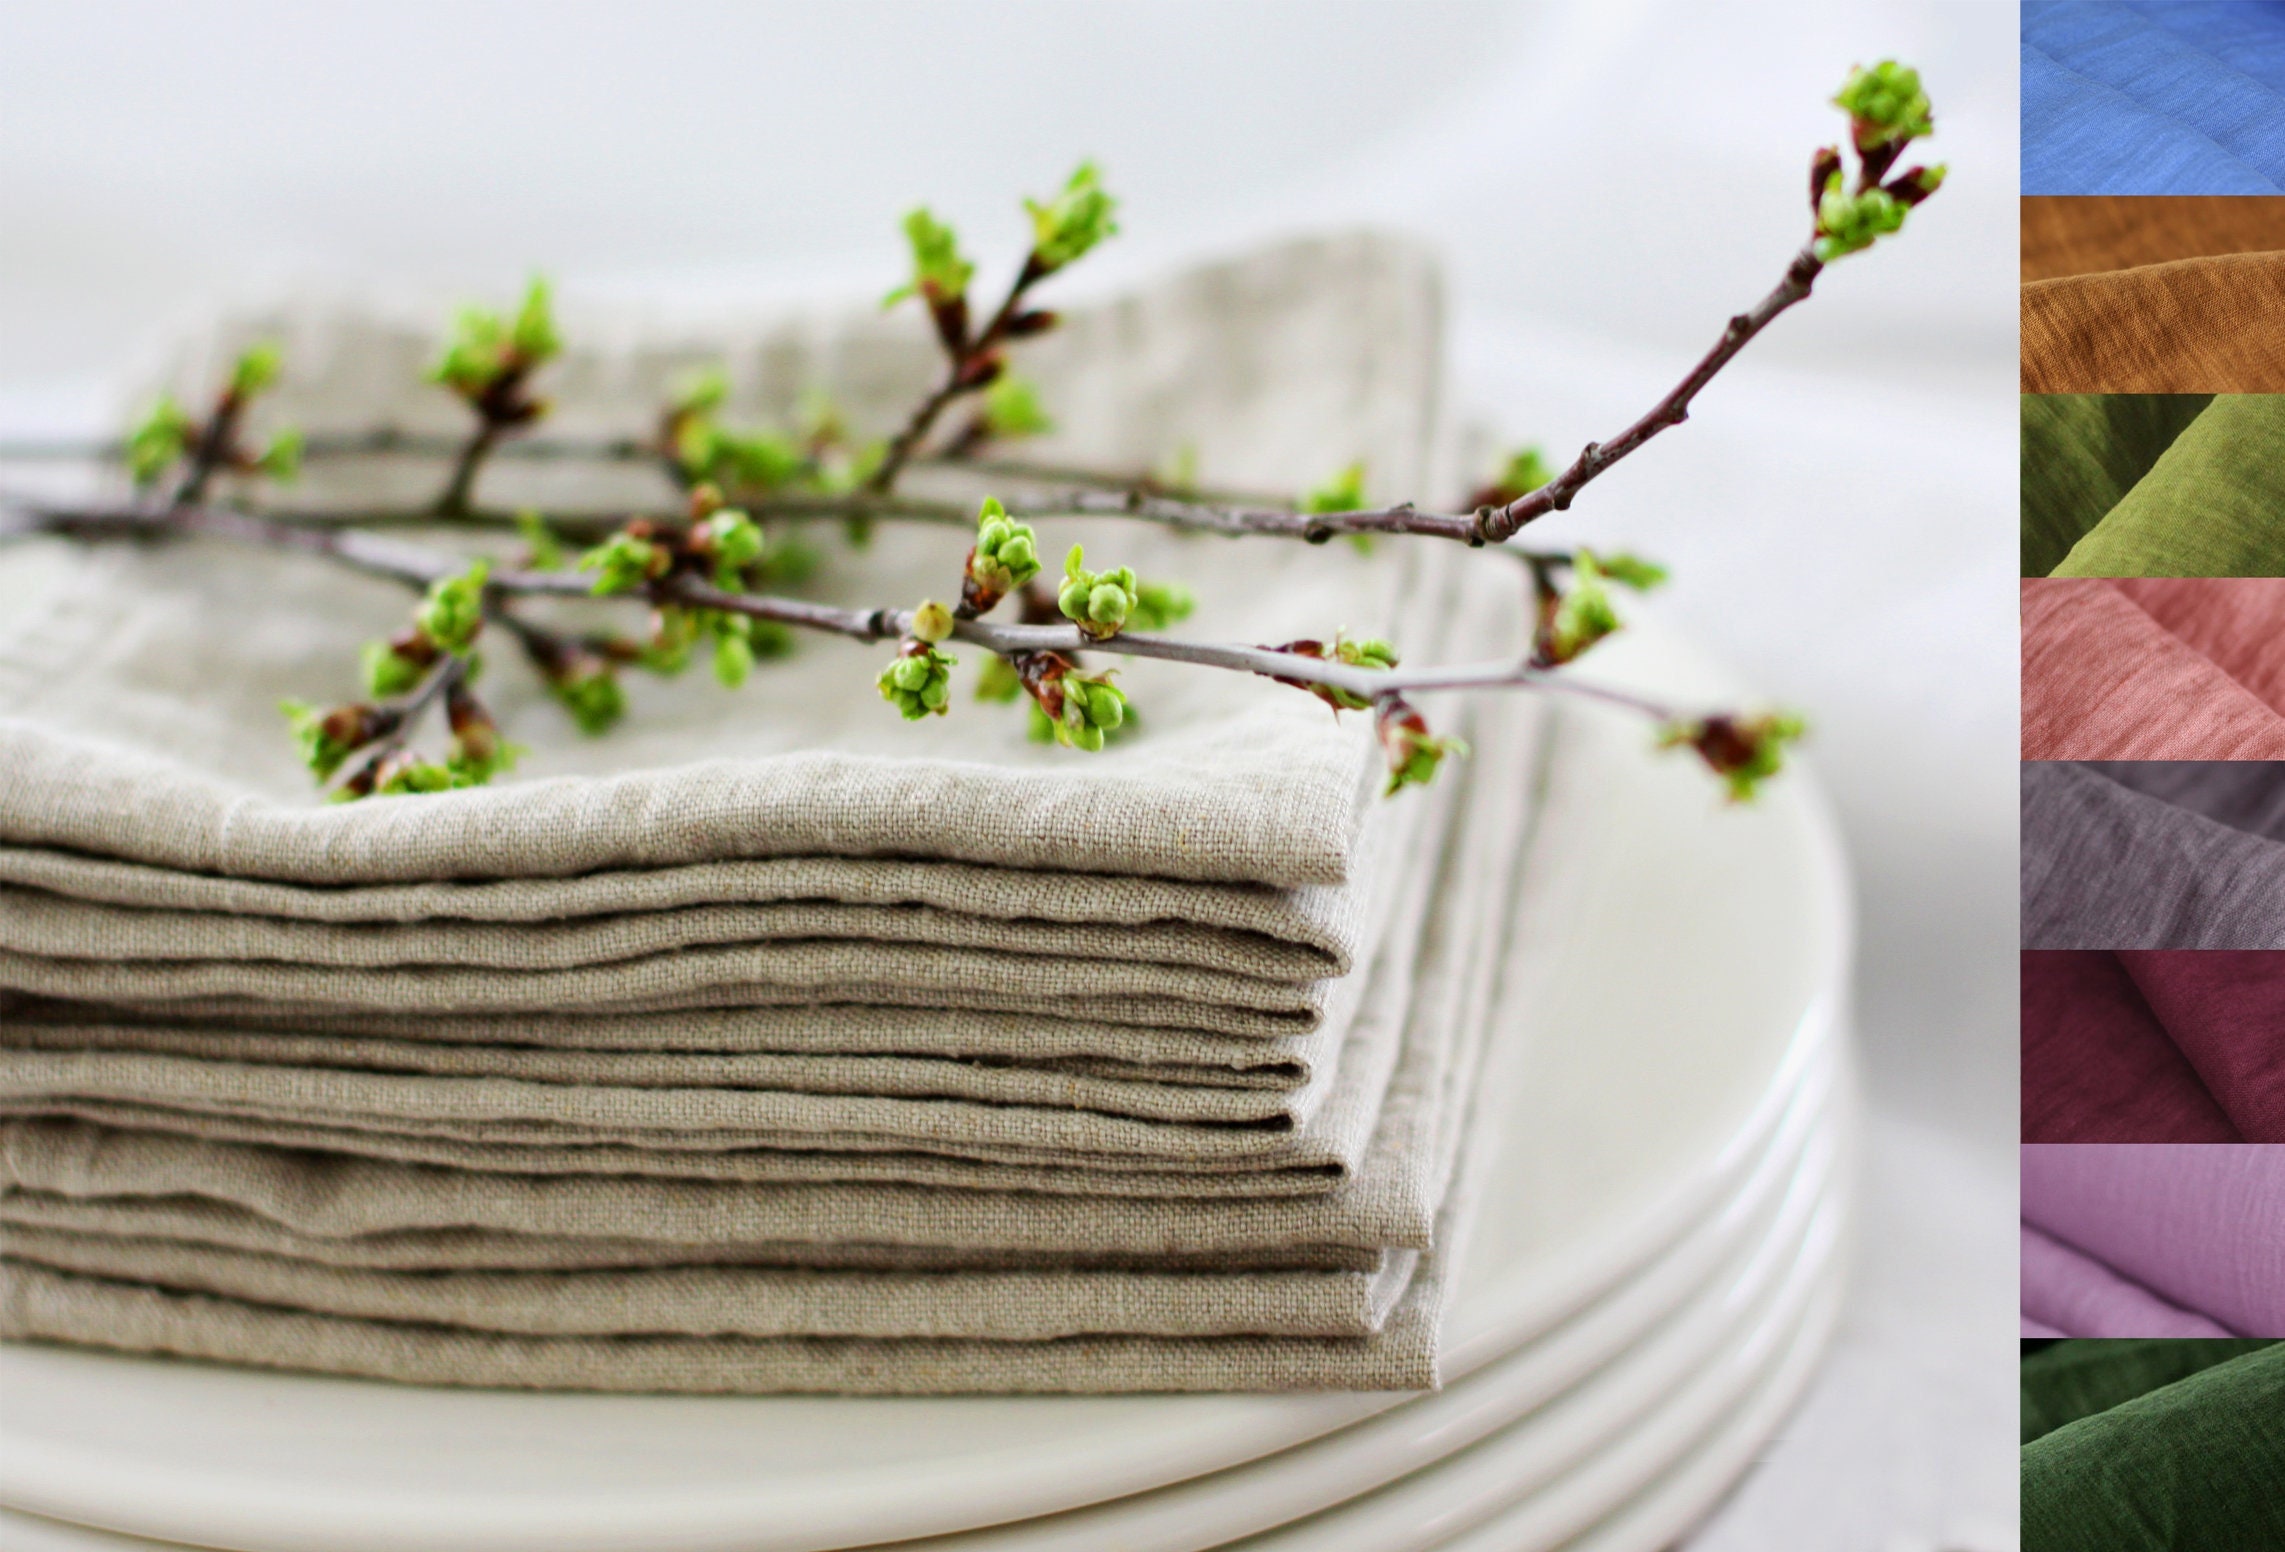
(733, 647)
(702, 393)
(157, 440)
(403, 776)
(1098, 602)
(918, 681)
(1012, 409)
(533, 336)
(1627, 570)
(1075, 220)
(1093, 708)
(281, 459)
(1004, 558)
(1160, 604)
(1744, 751)
(1344, 492)
(939, 272)
(593, 695)
(674, 634)
(1578, 618)
(1413, 754)
(543, 551)
(328, 737)
(389, 672)
(736, 542)
(453, 611)
(1849, 223)
(998, 681)
(256, 369)
(625, 562)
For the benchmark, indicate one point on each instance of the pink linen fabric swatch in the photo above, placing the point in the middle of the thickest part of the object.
(2153, 669)
(2201, 1226)
(2072, 1293)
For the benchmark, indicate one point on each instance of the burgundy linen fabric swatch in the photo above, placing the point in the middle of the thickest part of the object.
(2168, 669)
(2099, 1066)
(2225, 1012)
(2201, 1226)
(2153, 854)
(2071, 1293)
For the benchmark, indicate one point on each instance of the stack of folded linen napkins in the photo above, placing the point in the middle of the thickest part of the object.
(810, 1050)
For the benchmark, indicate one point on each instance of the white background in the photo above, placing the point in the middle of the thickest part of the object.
(1608, 181)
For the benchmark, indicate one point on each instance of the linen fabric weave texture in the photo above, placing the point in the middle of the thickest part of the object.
(771, 1044)
(2153, 295)
(2153, 669)
(2153, 854)
(2152, 97)
(2153, 1446)
(2173, 1239)
(2153, 486)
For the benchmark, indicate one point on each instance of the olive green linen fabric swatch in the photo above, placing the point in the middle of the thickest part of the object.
(2212, 505)
(2182, 1465)
(2065, 1381)
(2081, 454)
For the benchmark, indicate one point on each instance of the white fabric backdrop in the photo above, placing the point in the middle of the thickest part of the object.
(1609, 180)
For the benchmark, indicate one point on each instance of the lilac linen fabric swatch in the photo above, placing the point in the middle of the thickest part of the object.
(2076, 1295)
(2200, 1225)
(2098, 1066)
(2105, 680)
(2153, 854)
(2225, 1013)
(2032, 1328)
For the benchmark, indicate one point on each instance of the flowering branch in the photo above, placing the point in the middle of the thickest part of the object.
(717, 572)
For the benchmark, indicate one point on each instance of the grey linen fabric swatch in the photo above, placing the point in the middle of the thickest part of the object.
(2153, 855)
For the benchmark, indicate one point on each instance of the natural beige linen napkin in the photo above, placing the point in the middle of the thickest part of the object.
(131, 727)
(1413, 1157)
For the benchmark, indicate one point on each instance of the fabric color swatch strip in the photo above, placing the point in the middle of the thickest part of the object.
(2153, 1047)
(2179, 1239)
(2153, 295)
(2134, 1445)
(2171, 485)
(2153, 669)
(2153, 854)
(2153, 98)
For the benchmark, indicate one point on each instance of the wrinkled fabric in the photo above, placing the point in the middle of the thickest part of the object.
(2156, 1446)
(2153, 485)
(2070, 1292)
(2099, 1066)
(2198, 1226)
(2152, 854)
(2152, 98)
(2153, 669)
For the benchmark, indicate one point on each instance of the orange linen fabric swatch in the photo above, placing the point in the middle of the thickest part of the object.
(2158, 295)
(2095, 233)
(2153, 669)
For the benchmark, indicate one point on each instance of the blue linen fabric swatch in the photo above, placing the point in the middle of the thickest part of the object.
(2154, 97)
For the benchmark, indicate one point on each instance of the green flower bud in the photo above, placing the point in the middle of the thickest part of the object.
(1344, 492)
(1744, 751)
(702, 393)
(327, 737)
(1005, 557)
(674, 633)
(256, 369)
(623, 563)
(157, 440)
(1097, 601)
(755, 461)
(412, 775)
(736, 542)
(453, 611)
(939, 273)
(1075, 220)
(1885, 104)
(931, 622)
(593, 695)
(543, 551)
(1012, 409)
(281, 460)
(1848, 223)
(918, 681)
(733, 648)
(1093, 708)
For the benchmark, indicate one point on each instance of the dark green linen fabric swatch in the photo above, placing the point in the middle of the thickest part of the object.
(2065, 1381)
(2213, 505)
(2081, 454)
(2191, 1464)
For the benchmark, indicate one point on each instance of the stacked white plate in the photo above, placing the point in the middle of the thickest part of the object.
(1653, 1266)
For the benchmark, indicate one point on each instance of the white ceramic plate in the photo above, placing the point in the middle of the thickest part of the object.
(1670, 1011)
(1540, 1420)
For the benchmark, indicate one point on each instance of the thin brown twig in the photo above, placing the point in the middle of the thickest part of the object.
(960, 377)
